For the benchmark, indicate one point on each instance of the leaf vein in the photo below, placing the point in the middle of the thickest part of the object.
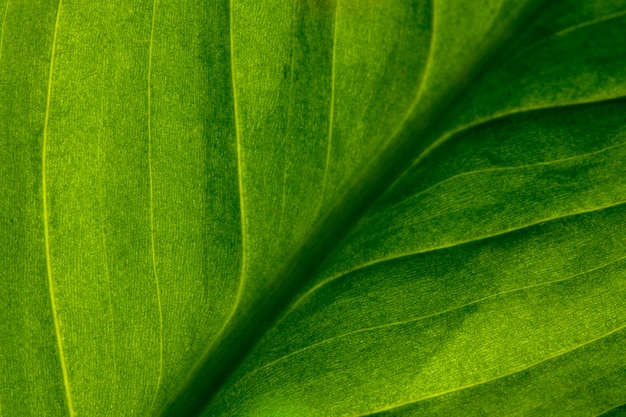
(240, 169)
(4, 19)
(608, 410)
(46, 221)
(242, 274)
(565, 32)
(151, 184)
(508, 168)
(502, 115)
(425, 75)
(331, 116)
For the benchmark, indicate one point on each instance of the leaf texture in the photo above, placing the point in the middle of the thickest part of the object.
(166, 167)
(489, 279)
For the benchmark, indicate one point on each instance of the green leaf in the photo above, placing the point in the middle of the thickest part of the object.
(312, 208)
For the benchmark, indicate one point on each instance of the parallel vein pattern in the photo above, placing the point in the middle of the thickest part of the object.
(480, 273)
(507, 179)
(438, 313)
(449, 246)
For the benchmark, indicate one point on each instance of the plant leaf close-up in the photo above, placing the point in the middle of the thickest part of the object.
(312, 208)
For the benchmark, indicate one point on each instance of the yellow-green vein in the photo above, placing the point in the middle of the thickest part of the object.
(563, 32)
(447, 136)
(240, 155)
(242, 270)
(46, 222)
(421, 88)
(331, 115)
(425, 71)
(527, 167)
(152, 240)
(4, 19)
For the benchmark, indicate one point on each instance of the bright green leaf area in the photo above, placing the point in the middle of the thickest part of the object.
(440, 186)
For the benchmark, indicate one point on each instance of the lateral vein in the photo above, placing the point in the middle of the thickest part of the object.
(240, 156)
(608, 410)
(563, 32)
(446, 137)
(242, 273)
(4, 20)
(46, 220)
(429, 59)
(331, 116)
(505, 169)
(152, 238)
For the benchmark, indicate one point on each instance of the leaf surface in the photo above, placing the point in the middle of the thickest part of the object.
(167, 166)
(489, 279)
